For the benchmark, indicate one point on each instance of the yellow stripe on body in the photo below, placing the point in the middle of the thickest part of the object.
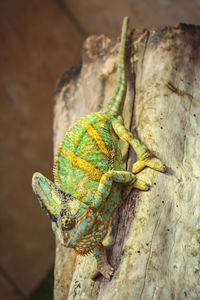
(96, 137)
(55, 167)
(101, 117)
(72, 136)
(82, 163)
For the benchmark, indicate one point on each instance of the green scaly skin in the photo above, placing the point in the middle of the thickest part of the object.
(89, 175)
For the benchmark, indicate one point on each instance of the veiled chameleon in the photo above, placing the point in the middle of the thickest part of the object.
(89, 174)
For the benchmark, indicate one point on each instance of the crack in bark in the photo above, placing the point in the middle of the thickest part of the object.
(150, 252)
(184, 263)
(173, 239)
(131, 88)
(92, 289)
(186, 123)
(120, 230)
(77, 286)
(145, 47)
(178, 91)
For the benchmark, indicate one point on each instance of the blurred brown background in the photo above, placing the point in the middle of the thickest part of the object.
(39, 40)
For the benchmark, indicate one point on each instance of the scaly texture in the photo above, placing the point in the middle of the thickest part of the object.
(89, 174)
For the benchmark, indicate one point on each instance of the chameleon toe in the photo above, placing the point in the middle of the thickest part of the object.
(106, 271)
(153, 163)
(138, 166)
(95, 275)
(156, 164)
(141, 185)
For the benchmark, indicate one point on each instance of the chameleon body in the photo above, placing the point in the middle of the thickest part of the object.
(90, 180)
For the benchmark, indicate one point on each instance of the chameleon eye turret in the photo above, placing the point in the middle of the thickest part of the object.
(89, 174)
(67, 223)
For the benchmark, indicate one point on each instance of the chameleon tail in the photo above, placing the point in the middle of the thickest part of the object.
(115, 106)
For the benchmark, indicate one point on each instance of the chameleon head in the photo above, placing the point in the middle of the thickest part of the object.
(61, 207)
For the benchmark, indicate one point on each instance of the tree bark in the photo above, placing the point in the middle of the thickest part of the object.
(155, 249)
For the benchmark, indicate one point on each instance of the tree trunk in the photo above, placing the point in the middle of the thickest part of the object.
(155, 249)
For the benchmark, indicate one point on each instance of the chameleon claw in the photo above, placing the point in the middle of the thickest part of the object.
(108, 271)
(95, 275)
(141, 185)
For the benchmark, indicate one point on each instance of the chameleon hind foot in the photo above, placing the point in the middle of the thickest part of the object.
(152, 162)
(144, 156)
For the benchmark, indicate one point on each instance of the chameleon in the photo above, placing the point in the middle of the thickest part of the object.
(90, 179)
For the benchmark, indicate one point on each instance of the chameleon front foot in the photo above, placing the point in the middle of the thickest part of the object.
(107, 271)
(103, 266)
(138, 184)
(153, 163)
(141, 185)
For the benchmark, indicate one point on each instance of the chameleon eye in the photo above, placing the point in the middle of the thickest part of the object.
(67, 224)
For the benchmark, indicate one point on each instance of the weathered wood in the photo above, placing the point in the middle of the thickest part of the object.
(155, 248)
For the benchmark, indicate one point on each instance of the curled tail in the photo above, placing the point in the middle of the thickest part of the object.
(115, 106)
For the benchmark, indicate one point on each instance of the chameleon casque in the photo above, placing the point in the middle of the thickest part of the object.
(90, 179)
